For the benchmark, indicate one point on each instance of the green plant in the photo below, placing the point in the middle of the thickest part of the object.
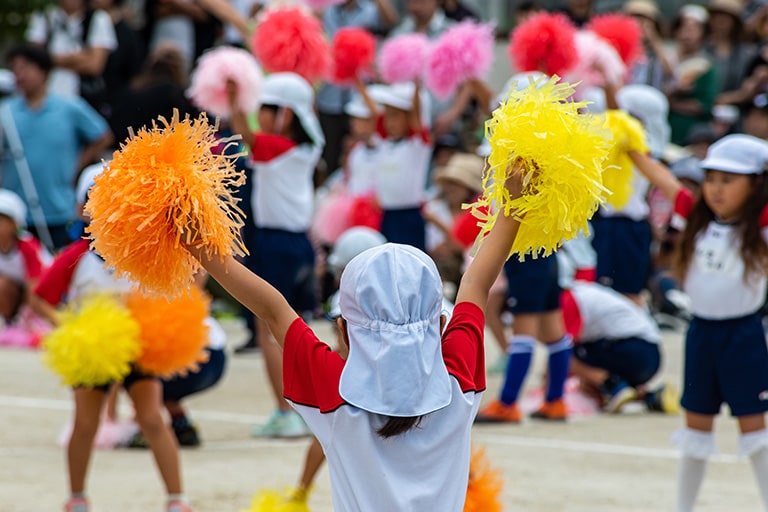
(14, 16)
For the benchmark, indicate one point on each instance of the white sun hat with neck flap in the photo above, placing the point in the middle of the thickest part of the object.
(737, 154)
(391, 299)
(291, 91)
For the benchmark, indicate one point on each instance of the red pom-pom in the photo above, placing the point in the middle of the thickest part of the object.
(546, 43)
(353, 51)
(291, 40)
(623, 32)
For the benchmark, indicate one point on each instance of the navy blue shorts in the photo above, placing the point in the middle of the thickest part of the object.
(286, 260)
(623, 248)
(726, 361)
(132, 378)
(633, 360)
(194, 382)
(532, 285)
(404, 226)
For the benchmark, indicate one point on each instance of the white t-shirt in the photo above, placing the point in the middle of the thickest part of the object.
(361, 167)
(424, 469)
(715, 279)
(93, 276)
(66, 37)
(400, 180)
(606, 314)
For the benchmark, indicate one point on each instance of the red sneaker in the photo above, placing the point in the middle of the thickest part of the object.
(499, 412)
(552, 411)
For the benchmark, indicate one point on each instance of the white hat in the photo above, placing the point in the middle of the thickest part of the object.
(351, 243)
(356, 107)
(11, 205)
(7, 82)
(290, 90)
(651, 107)
(391, 299)
(689, 168)
(86, 180)
(695, 12)
(399, 95)
(737, 154)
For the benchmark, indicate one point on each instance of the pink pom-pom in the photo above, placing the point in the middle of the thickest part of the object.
(402, 58)
(208, 89)
(292, 40)
(353, 51)
(596, 54)
(464, 51)
(623, 32)
(546, 43)
(321, 5)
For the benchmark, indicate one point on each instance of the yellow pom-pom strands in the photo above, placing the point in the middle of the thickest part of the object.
(628, 135)
(93, 345)
(165, 188)
(561, 153)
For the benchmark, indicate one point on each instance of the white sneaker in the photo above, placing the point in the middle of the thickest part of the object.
(285, 424)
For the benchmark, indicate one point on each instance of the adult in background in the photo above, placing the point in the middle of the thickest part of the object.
(726, 46)
(59, 136)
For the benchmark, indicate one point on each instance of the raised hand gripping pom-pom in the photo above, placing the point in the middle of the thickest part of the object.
(622, 32)
(163, 187)
(353, 51)
(618, 177)
(173, 333)
(464, 51)
(545, 42)
(93, 345)
(208, 89)
(561, 154)
(291, 40)
(402, 58)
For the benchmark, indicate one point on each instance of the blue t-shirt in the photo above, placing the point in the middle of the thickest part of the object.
(52, 138)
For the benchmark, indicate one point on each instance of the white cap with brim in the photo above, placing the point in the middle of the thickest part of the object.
(290, 90)
(651, 107)
(86, 181)
(11, 205)
(352, 242)
(737, 154)
(356, 107)
(391, 299)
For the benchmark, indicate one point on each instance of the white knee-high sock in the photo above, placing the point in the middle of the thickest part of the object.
(755, 446)
(696, 447)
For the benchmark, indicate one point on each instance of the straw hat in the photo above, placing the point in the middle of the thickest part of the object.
(732, 7)
(645, 8)
(464, 168)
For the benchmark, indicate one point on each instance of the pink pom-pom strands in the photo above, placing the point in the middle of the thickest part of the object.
(402, 58)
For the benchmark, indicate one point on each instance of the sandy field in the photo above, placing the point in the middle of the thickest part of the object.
(591, 464)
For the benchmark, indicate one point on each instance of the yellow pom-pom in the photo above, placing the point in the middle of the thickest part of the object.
(164, 184)
(173, 332)
(484, 486)
(93, 345)
(269, 500)
(628, 135)
(561, 153)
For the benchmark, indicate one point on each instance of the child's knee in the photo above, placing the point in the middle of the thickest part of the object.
(150, 421)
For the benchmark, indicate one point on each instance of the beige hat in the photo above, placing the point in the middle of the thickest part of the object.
(645, 8)
(464, 168)
(732, 7)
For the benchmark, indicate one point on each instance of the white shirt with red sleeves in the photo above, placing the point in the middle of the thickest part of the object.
(426, 468)
(715, 280)
(283, 190)
(400, 180)
(26, 261)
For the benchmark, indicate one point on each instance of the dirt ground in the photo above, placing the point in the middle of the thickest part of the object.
(593, 464)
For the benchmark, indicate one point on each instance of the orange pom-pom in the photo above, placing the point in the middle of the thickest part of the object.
(164, 184)
(484, 486)
(173, 333)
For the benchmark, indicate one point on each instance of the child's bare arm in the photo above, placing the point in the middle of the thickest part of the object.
(658, 174)
(43, 309)
(414, 118)
(493, 252)
(251, 291)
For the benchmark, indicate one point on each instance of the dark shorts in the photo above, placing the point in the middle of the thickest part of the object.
(194, 382)
(623, 248)
(286, 260)
(633, 360)
(726, 361)
(532, 285)
(129, 380)
(404, 226)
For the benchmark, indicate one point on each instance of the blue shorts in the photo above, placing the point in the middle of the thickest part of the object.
(726, 361)
(404, 226)
(194, 382)
(623, 248)
(633, 360)
(532, 285)
(132, 378)
(286, 260)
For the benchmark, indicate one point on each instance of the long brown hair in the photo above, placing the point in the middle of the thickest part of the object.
(754, 249)
(398, 425)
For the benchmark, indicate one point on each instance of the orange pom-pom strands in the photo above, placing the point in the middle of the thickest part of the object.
(166, 188)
